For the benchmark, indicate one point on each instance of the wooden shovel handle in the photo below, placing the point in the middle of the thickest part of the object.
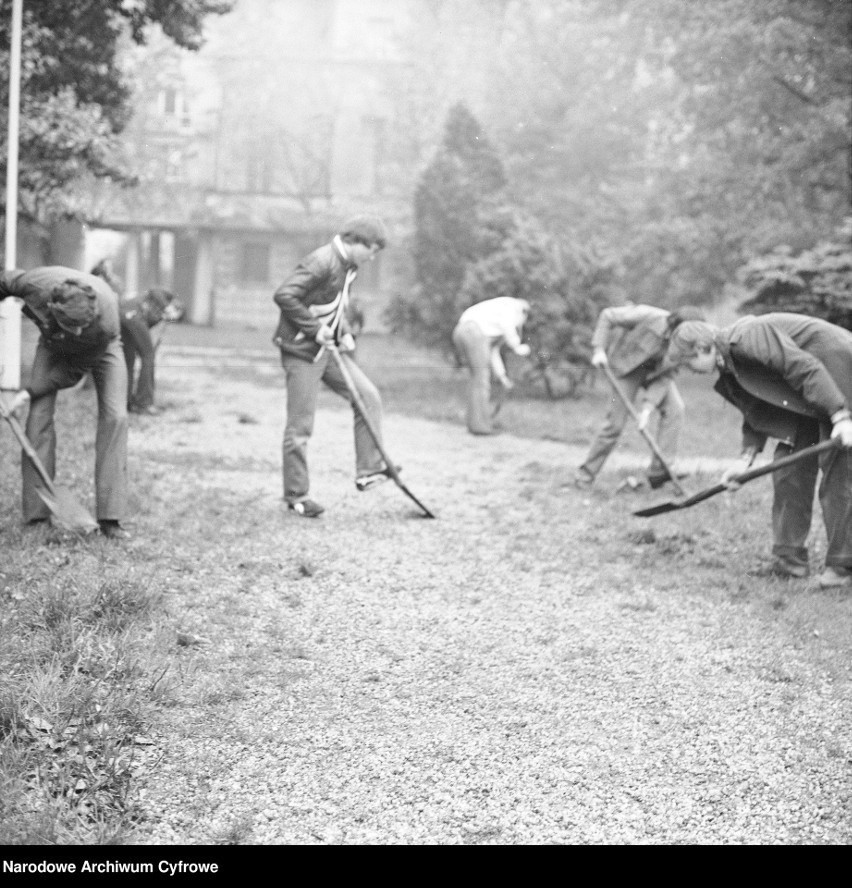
(27, 447)
(644, 432)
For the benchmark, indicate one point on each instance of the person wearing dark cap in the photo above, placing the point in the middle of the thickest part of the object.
(790, 376)
(77, 314)
(313, 303)
(139, 317)
(632, 340)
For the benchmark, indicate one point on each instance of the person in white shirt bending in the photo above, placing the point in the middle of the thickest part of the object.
(479, 335)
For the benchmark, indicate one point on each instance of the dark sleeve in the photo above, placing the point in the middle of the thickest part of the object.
(752, 439)
(8, 283)
(291, 296)
(770, 347)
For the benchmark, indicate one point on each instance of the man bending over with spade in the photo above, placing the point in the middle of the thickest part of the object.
(790, 376)
(77, 314)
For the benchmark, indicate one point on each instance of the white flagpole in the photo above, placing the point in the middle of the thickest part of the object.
(10, 309)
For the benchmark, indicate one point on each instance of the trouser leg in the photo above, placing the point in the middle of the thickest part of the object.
(613, 426)
(496, 400)
(835, 494)
(368, 457)
(671, 410)
(111, 486)
(47, 369)
(473, 346)
(144, 396)
(303, 379)
(792, 505)
(41, 430)
(130, 365)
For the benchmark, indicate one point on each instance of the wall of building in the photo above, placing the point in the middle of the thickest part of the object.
(295, 115)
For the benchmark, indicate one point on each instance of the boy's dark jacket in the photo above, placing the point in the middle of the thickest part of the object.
(34, 287)
(780, 367)
(309, 297)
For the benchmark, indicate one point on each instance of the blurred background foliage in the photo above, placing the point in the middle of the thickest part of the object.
(815, 282)
(76, 96)
(645, 150)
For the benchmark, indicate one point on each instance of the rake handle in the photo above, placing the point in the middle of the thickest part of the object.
(644, 432)
(361, 407)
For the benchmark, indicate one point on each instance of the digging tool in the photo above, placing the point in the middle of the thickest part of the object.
(741, 479)
(340, 360)
(644, 432)
(65, 509)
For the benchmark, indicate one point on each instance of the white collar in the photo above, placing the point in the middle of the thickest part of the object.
(342, 249)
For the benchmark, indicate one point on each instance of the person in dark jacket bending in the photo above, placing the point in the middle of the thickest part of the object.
(313, 302)
(790, 376)
(77, 314)
(632, 341)
(138, 317)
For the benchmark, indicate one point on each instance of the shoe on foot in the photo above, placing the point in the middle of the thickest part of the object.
(306, 508)
(836, 578)
(37, 522)
(368, 482)
(112, 530)
(657, 481)
(150, 410)
(582, 481)
(787, 567)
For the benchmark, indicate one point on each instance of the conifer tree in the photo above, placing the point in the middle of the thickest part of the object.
(465, 176)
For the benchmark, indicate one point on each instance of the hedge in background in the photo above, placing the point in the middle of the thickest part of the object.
(817, 282)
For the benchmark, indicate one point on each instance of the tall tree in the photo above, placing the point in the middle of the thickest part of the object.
(465, 175)
(683, 135)
(75, 100)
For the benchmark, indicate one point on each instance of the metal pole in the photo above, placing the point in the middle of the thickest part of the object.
(10, 309)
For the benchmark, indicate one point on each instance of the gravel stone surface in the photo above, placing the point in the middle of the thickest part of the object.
(516, 671)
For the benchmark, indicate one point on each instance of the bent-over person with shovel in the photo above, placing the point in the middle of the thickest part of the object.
(631, 342)
(482, 330)
(313, 302)
(790, 376)
(139, 317)
(77, 314)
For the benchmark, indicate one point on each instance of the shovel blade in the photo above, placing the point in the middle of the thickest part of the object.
(66, 511)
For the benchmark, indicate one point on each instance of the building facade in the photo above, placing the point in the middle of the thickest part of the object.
(295, 115)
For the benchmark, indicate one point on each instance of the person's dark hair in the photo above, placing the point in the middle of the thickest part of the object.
(690, 338)
(73, 304)
(367, 230)
(159, 296)
(684, 313)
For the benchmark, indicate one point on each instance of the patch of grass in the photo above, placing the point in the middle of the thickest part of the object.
(80, 685)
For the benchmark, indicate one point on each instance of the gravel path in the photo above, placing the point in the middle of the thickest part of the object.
(513, 672)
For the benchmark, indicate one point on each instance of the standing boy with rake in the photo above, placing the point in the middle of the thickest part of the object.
(312, 302)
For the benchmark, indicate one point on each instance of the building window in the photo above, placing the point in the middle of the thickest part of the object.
(255, 263)
(173, 104)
